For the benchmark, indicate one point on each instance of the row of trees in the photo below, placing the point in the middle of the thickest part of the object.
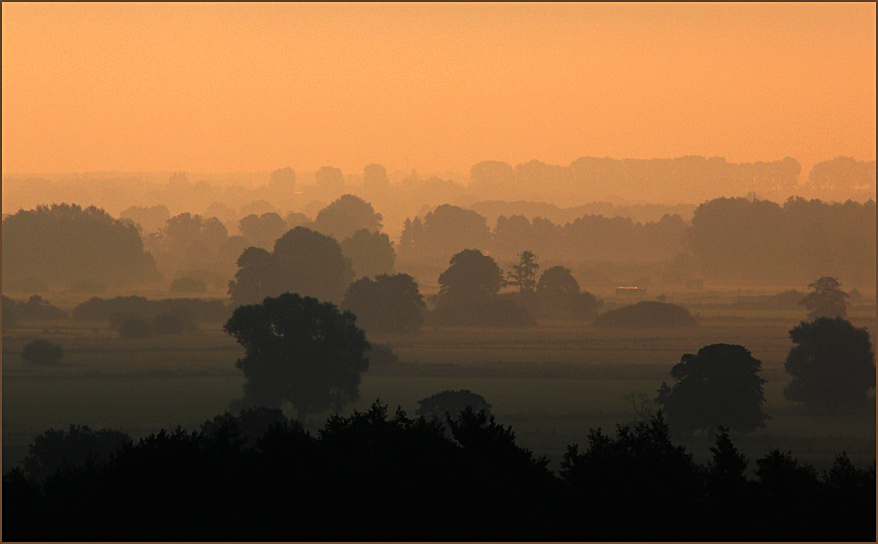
(448, 229)
(729, 239)
(587, 179)
(311, 354)
(260, 476)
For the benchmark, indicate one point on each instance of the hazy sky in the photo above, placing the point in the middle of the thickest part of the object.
(223, 87)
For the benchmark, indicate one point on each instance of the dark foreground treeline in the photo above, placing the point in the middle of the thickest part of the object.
(376, 476)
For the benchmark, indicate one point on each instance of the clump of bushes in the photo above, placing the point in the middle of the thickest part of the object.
(647, 314)
(42, 352)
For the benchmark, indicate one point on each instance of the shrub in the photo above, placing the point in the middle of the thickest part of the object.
(42, 352)
(647, 314)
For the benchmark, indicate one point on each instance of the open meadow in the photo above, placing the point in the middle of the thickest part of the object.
(551, 383)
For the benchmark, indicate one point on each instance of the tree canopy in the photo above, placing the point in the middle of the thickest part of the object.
(389, 303)
(450, 404)
(299, 350)
(62, 243)
(718, 386)
(303, 261)
(471, 276)
(371, 253)
(826, 299)
(345, 216)
(832, 365)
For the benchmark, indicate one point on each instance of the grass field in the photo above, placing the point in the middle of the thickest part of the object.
(550, 383)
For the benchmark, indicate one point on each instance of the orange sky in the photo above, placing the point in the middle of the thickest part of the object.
(224, 87)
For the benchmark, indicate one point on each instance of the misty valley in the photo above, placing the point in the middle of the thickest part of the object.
(425, 363)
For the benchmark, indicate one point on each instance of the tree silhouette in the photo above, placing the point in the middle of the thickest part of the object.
(524, 274)
(826, 299)
(471, 276)
(833, 365)
(718, 386)
(375, 178)
(300, 350)
(263, 230)
(345, 216)
(42, 352)
(284, 178)
(371, 253)
(450, 404)
(78, 445)
(558, 294)
(330, 180)
(303, 261)
(62, 243)
(386, 304)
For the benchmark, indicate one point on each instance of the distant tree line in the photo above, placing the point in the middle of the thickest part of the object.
(728, 239)
(380, 476)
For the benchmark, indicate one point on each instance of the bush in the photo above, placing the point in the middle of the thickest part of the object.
(135, 328)
(42, 352)
(647, 314)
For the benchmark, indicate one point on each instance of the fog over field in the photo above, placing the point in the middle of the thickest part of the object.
(439, 272)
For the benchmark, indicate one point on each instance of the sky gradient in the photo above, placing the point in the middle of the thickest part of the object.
(225, 87)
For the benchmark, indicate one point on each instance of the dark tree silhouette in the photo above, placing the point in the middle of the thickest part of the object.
(468, 294)
(826, 299)
(300, 350)
(718, 386)
(524, 274)
(370, 252)
(42, 352)
(832, 365)
(346, 216)
(55, 449)
(36, 308)
(303, 261)
(450, 404)
(471, 276)
(640, 466)
(386, 304)
(558, 295)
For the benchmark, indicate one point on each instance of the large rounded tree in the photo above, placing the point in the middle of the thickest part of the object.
(718, 386)
(832, 364)
(65, 243)
(299, 350)
(387, 303)
(303, 261)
